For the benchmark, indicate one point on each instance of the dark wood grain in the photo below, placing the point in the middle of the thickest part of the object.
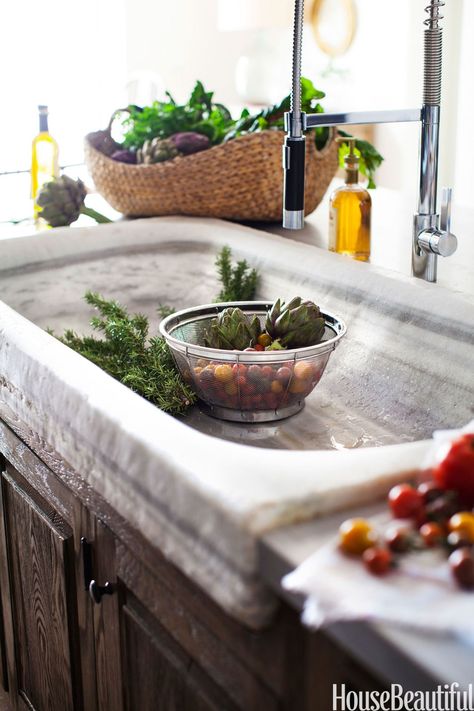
(170, 680)
(185, 625)
(41, 562)
(110, 680)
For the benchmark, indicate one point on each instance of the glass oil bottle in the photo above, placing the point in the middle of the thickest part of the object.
(349, 212)
(44, 158)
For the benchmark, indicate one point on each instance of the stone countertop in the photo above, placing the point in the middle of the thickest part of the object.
(203, 501)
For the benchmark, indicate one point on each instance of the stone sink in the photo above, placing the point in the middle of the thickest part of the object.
(200, 489)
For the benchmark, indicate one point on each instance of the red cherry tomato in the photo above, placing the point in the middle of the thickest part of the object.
(432, 534)
(378, 561)
(456, 471)
(259, 347)
(405, 501)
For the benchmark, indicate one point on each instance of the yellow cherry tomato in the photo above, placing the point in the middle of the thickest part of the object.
(303, 370)
(276, 387)
(463, 524)
(231, 388)
(264, 340)
(223, 373)
(298, 386)
(356, 535)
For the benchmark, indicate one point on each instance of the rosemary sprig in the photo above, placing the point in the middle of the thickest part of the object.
(127, 353)
(239, 282)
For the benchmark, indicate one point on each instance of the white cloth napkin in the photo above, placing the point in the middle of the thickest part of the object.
(419, 593)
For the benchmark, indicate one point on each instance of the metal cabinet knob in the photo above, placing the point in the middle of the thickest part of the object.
(97, 591)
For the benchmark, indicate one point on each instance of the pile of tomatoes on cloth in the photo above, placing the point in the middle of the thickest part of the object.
(437, 513)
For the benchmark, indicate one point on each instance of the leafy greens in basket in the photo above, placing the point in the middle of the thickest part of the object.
(200, 114)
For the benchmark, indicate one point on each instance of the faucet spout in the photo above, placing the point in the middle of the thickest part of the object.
(431, 237)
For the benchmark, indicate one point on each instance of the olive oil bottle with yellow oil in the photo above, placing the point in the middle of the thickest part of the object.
(44, 158)
(349, 212)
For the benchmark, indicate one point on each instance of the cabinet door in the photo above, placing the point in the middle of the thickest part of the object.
(142, 663)
(40, 602)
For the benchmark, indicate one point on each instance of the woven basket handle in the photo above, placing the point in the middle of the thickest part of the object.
(113, 117)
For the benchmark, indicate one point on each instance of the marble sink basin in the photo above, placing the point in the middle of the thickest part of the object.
(200, 488)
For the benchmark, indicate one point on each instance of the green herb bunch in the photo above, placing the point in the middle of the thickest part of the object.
(239, 282)
(165, 118)
(200, 114)
(144, 363)
(127, 353)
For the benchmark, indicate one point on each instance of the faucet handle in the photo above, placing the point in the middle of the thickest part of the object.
(445, 219)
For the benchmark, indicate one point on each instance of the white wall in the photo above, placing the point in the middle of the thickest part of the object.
(180, 41)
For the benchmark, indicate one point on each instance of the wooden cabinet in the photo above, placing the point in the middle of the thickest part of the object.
(93, 618)
(41, 600)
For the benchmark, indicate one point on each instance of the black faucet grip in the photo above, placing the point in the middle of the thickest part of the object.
(293, 161)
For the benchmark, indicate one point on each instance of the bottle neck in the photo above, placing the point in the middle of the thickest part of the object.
(352, 176)
(43, 123)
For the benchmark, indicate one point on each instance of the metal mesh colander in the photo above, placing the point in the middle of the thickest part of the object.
(246, 386)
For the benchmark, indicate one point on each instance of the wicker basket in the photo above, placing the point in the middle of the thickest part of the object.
(239, 180)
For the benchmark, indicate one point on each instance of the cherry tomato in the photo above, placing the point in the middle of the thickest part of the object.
(276, 387)
(378, 561)
(355, 535)
(442, 508)
(303, 370)
(405, 501)
(240, 381)
(463, 523)
(231, 389)
(264, 340)
(284, 374)
(298, 386)
(239, 369)
(456, 471)
(267, 371)
(223, 373)
(432, 534)
(429, 491)
(461, 563)
(259, 347)
(455, 541)
(398, 538)
(254, 373)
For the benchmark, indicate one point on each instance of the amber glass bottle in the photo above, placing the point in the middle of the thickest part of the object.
(44, 157)
(349, 213)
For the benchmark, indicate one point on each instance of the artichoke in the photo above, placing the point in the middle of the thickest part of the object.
(62, 201)
(232, 329)
(188, 142)
(124, 156)
(158, 150)
(296, 324)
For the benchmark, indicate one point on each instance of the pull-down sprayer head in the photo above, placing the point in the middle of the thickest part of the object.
(294, 146)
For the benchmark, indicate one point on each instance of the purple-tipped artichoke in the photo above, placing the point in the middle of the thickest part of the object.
(124, 156)
(189, 142)
(62, 201)
(232, 330)
(296, 324)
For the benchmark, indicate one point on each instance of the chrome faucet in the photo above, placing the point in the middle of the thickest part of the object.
(431, 232)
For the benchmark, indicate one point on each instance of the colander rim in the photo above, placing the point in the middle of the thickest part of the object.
(196, 313)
